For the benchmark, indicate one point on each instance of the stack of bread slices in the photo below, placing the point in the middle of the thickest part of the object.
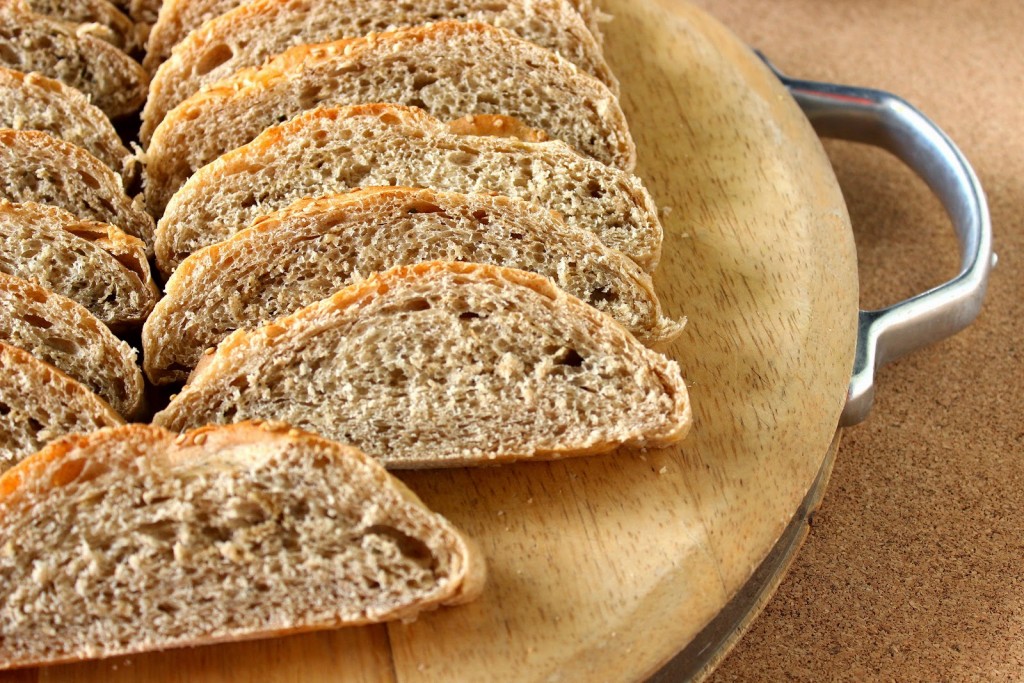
(389, 235)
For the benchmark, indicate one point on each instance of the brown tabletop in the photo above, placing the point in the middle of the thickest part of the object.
(914, 568)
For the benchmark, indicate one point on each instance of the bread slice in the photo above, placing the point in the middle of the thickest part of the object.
(61, 332)
(311, 249)
(97, 17)
(132, 539)
(33, 42)
(445, 364)
(248, 35)
(35, 102)
(38, 403)
(178, 18)
(92, 263)
(328, 150)
(37, 167)
(449, 69)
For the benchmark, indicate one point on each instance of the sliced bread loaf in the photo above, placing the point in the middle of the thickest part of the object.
(37, 167)
(99, 18)
(35, 102)
(445, 364)
(63, 333)
(448, 69)
(133, 538)
(38, 403)
(248, 35)
(328, 150)
(33, 42)
(311, 249)
(92, 263)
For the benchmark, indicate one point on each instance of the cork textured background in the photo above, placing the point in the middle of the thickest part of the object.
(914, 567)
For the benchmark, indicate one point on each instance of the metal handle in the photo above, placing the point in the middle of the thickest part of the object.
(889, 122)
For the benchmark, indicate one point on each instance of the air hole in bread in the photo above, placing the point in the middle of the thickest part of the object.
(37, 321)
(309, 96)
(4, 409)
(421, 207)
(417, 102)
(469, 315)
(603, 294)
(412, 548)
(594, 189)
(214, 57)
(7, 53)
(483, 218)
(413, 305)
(131, 263)
(423, 80)
(68, 346)
(89, 179)
(163, 530)
(570, 358)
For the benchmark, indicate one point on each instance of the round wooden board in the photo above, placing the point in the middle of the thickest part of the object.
(604, 568)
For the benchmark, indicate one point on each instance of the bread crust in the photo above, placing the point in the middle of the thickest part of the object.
(78, 459)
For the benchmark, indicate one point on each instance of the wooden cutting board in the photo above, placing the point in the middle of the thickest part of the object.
(601, 569)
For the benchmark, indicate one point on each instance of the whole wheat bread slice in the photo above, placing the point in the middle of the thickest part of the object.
(63, 333)
(250, 34)
(39, 403)
(445, 364)
(311, 249)
(37, 167)
(98, 18)
(448, 69)
(95, 264)
(328, 150)
(132, 539)
(178, 18)
(29, 42)
(35, 102)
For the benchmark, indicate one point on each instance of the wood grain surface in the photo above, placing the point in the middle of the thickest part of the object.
(603, 568)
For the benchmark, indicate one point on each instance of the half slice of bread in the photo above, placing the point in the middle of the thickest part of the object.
(306, 252)
(448, 69)
(37, 167)
(35, 102)
(329, 150)
(96, 17)
(248, 35)
(39, 403)
(133, 538)
(92, 263)
(61, 332)
(445, 364)
(29, 42)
